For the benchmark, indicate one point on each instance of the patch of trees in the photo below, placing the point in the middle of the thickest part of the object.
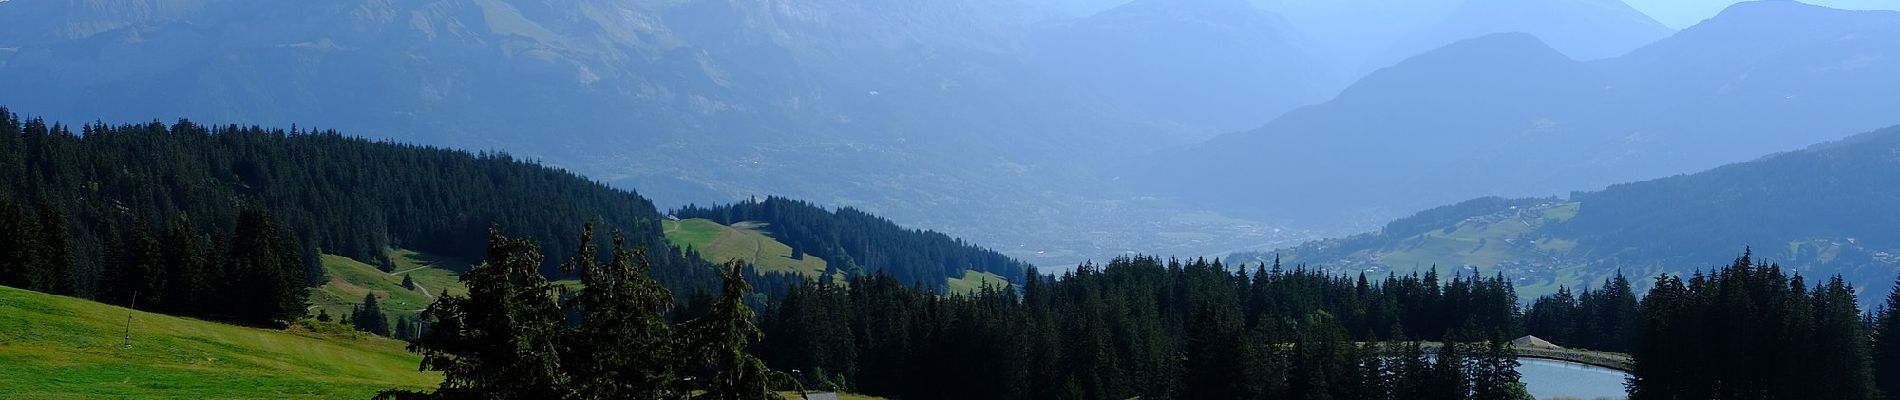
(1753, 331)
(254, 275)
(512, 338)
(369, 316)
(1602, 319)
(1154, 329)
(1747, 330)
(95, 213)
(854, 242)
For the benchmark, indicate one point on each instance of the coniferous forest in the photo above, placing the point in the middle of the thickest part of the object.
(195, 218)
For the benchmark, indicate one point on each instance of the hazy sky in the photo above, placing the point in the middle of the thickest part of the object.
(1683, 13)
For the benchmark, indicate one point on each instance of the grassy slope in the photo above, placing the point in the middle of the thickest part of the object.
(350, 280)
(718, 243)
(1483, 243)
(975, 280)
(54, 347)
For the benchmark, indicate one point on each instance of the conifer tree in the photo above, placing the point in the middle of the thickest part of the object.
(500, 341)
(370, 317)
(136, 267)
(52, 268)
(403, 330)
(720, 340)
(623, 347)
(19, 238)
(408, 282)
(1886, 351)
(187, 268)
(265, 271)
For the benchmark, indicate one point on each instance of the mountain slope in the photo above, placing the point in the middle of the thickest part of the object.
(1433, 113)
(1216, 65)
(1823, 210)
(1500, 116)
(880, 105)
(62, 347)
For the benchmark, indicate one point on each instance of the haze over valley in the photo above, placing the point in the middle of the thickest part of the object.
(1021, 199)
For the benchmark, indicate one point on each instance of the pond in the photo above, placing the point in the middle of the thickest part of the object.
(1551, 379)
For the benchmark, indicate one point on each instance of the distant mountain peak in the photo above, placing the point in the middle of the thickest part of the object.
(1508, 48)
(1583, 29)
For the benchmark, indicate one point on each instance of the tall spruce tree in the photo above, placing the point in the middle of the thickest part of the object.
(1886, 352)
(720, 340)
(264, 271)
(500, 341)
(623, 347)
(370, 317)
(19, 238)
(189, 279)
(51, 270)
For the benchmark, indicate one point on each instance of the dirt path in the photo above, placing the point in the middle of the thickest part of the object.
(398, 273)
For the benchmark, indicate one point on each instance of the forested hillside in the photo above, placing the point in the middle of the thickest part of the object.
(112, 207)
(857, 243)
(1824, 210)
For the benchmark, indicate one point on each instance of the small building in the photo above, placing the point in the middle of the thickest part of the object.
(1533, 341)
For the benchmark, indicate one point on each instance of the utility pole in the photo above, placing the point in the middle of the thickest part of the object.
(128, 319)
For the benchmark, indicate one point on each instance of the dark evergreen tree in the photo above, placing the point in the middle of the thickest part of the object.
(51, 270)
(500, 341)
(190, 277)
(19, 239)
(1886, 352)
(408, 282)
(403, 330)
(719, 341)
(369, 317)
(623, 347)
(264, 271)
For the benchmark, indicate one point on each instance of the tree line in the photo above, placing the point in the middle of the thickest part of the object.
(1749, 330)
(1153, 329)
(854, 242)
(1601, 319)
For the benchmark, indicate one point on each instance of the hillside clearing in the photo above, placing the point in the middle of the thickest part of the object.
(741, 241)
(351, 279)
(972, 281)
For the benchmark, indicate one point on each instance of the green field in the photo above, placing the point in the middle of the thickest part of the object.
(350, 280)
(54, 347)
(973, 281)
(742, 241)
(1482, 243)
